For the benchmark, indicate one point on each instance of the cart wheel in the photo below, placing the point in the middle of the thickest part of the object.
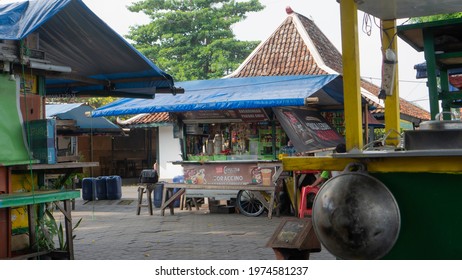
(248, 205)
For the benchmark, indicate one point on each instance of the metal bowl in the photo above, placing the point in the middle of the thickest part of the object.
(355, 216)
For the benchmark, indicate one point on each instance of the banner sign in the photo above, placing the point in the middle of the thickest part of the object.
(246, 115)
(307, 129)
(227, 174)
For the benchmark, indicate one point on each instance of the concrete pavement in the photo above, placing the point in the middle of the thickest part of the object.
(111, 230)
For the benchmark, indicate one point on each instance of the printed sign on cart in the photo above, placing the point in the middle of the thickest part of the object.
(227, 174)
(307, 129)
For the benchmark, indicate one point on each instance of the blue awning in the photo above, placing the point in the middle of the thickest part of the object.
(421, 71)
(236, 93)
(72, 38)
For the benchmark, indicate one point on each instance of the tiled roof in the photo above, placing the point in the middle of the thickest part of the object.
(405, 107)
(330, 56)
(299, 47)
(143, 120)
(284, 53)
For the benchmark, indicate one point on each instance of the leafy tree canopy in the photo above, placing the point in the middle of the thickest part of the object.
(436, 17)
(95, 102)
(193, 39)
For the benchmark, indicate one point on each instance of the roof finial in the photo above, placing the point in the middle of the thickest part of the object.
(289, 10)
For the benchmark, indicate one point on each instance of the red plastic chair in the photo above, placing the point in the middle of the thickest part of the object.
(308, 194)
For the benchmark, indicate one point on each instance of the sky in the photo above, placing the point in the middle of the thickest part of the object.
(325, 14)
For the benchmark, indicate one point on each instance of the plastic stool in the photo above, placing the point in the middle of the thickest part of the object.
(303, 208)
(148, 189)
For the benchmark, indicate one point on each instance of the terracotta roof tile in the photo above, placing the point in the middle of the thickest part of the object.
(405, 107)
(284, 53)
(143, 119)
(328, 52)
(157, 117)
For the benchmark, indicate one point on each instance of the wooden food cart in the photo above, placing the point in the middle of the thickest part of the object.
(233, 130)
(423, 172)
(238, 150)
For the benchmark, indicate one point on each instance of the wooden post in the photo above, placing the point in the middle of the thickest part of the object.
(392, 114)
(351, 77)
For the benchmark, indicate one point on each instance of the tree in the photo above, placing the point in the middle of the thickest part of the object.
(436, 17)
(95, 102)
(193, 39)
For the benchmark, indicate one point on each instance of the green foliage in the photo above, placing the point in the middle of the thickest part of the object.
(193, 39)
(95, 102)
(48, 229)
(436, 17)
(63, 181)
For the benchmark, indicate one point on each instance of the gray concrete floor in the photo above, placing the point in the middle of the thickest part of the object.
(111, 230)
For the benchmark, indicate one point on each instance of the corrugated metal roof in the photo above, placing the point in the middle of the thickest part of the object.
(56, 109)
(77, 112)
(72, 37)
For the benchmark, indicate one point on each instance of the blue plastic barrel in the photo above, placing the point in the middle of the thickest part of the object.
(89, 189)
(158, 190)
(158, 193)
(176, 203)
(177, 179)
(101, 189)
(114, 187)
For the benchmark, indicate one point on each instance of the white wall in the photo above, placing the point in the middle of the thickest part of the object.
(169, 150)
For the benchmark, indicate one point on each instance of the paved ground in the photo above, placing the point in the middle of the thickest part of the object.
(111, 230)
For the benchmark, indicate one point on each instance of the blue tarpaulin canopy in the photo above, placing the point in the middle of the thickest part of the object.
(236, 93)
(82, 55)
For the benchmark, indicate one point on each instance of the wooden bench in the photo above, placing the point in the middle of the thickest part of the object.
(30, 199)
(256, 189)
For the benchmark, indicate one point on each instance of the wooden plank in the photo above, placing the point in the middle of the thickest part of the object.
(32, 224)
(220, 187)
(432, 164)
(5, 233)
(28, 198)
(62, 159)
(27, 256)
(64, 165)
(169, 202)
(68, 226)
(57, 166)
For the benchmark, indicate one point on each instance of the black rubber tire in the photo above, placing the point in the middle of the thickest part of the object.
(248, 205)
